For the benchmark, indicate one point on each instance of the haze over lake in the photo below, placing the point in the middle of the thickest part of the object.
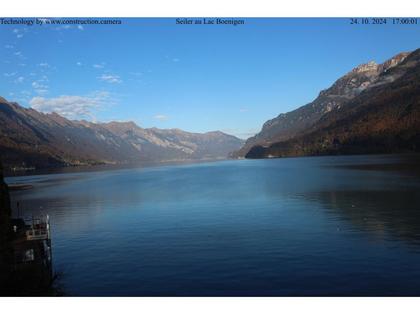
(329, 226)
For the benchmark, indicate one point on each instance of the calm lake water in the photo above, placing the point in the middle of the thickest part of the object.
(322, 226)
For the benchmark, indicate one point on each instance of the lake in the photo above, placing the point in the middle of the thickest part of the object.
(313, 226)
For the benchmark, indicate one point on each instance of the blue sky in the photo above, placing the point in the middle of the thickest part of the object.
(193, 77)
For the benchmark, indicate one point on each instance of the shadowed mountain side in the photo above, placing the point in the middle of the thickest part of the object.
(30, 139)
(382, 119)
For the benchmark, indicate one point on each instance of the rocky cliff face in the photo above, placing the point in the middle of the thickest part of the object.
(383, 118)
(291, 124)
(32, 139)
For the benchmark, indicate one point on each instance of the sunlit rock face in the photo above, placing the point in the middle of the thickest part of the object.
(372, 109)
(360, 79)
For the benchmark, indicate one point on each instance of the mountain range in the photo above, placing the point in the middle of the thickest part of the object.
(30, 139)
(375, 108)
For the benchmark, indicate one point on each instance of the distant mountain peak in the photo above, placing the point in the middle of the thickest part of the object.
(357, 81)
(376, 68)
(122, 124)
(384, 117)
(371, 66)
(392, 62)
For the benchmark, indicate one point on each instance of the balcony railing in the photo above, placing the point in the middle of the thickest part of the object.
(38, 229)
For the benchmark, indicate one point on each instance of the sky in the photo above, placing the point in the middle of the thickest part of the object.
(198, 78)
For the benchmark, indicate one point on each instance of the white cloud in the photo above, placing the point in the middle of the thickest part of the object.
(44, 65)
(9, 46)
(40, 87)
(10, 74)
(19, 80)
(161, 117)
(68, 27)
(99, 66)
(19, 32)
(41, 91)
(25, 92)
(19, 55)
(71, 106)
(110, 78)
(78, 63)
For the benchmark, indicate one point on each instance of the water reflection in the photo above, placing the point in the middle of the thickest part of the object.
(378, 195)
(386, 214)
(307, 226)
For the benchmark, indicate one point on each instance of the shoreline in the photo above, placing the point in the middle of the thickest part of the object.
(406, 161)
(103, 167)
(17, 186)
